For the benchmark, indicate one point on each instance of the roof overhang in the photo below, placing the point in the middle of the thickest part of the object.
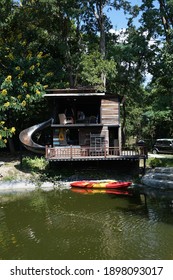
(73, 92)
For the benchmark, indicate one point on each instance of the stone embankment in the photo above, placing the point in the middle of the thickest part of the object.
(160, 177)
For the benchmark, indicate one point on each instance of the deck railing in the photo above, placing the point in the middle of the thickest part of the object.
(79, 152)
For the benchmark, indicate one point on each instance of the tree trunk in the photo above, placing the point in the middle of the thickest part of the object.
(101, 23)
(11, 146)
(165, 19)
(124, 124)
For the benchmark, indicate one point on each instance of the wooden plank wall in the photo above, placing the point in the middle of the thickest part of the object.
(110, 111)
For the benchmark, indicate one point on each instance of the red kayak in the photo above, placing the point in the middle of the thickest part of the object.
(100, 184)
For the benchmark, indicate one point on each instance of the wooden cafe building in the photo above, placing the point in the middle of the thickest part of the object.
(86, 127)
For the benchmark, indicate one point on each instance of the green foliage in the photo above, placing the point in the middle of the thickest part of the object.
(39, 167)
(22, 88)
(35, 164)
(5, 133)
(58, 43)
(159, 162)
(93, 66)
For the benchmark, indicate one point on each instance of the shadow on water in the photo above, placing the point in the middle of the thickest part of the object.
(156, 203)
(159, 205)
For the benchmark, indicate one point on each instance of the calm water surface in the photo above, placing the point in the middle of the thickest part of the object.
(62, 224)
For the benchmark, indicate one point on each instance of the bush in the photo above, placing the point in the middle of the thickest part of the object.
(35, 164)
(160, 162)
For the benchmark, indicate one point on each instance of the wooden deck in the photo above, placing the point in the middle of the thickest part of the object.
(86, 153)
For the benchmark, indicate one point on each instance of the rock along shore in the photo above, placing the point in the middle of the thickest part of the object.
(160, 177)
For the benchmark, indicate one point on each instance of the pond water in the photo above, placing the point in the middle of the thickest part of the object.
(61, 224)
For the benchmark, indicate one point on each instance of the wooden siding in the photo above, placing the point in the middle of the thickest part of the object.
(110, 111)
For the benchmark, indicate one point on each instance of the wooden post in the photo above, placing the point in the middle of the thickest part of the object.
(144, 165)
(46, 152)
(71, 152)
(105, 149)
(21, 155)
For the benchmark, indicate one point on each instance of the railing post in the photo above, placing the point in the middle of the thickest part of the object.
(105, 150)
(71, 152)
(46, 154)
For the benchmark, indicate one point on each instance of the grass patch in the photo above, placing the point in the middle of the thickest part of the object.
(10, 177)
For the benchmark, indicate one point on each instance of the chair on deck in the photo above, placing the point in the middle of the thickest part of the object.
(64, 120)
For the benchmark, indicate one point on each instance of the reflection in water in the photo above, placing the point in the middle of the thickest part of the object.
(61, 224)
